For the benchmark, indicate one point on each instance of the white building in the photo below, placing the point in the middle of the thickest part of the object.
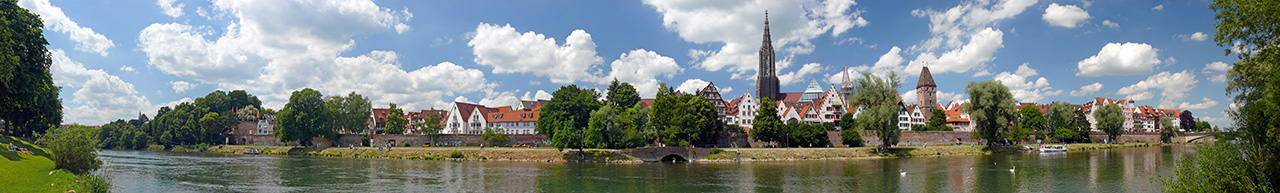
(520, 120)
(1126, 110)
(466, 118)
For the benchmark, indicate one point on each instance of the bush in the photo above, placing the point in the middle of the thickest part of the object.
(851, 137)
(406, 144)
(456, 154)
(74, 148)
(98, 183)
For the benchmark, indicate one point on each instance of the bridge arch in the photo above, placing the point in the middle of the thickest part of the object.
(674, 158)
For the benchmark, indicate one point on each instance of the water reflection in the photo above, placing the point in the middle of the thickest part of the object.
(1120, 170)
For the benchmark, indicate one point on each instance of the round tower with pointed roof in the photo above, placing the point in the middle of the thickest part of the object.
(926, 93)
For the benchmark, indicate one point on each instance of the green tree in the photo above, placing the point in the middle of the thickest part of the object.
(1203, 126)
(121, 135)
(1081, 126)
(636, 128)
(430, 125)
(564, 117)
(849, 133)
(29, 102)
(991, 110)
(879, 96)
(1033, 121)
(1248, 163)
(1059, 116)
(604, 130)
(494, 136)
(938, 121)
(216, 101)
(304, 117)
(685, 119)
(395, 121)
(240, 98)
(807, 135)
(1110, 121)
(766, 125)
(1165, 126)
(350, 113)
(622, 95)
(74, 148)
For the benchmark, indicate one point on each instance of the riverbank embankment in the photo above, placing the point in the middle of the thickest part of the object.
(546, 154)
(543, 154)
(36, 172)
(784, 154)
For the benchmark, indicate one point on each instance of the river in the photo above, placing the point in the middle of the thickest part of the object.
(1116, 170)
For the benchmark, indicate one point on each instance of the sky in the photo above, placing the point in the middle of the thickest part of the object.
(115, 59)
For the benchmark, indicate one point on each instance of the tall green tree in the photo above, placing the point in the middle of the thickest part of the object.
(1111, 121)
(1166, 128)
(879, 96)
(685, 119)
(216, 101)
(766, 125)
(849, 133)
(304, 117)
(1060, 115)
(1249, 163)
(622, 95)
(564, 117)
(938, 121)
(1032, 120)
(29, 102)
(991, 109)
(1081, 125)
(395, 121)
(350, 113)
(637, 130)
(240, 98)
(605, 130)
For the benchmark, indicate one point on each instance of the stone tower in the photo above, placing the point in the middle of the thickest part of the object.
(846, 85)
(926, 93)
(767, 80)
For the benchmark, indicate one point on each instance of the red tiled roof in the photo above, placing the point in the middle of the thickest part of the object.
(465, 110)
(523, 115)
(791, 97)
(380, 115)
(648, 103)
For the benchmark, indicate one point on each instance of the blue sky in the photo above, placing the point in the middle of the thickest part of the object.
(117, 58)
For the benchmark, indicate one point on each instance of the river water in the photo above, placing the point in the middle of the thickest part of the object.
(1117, 170)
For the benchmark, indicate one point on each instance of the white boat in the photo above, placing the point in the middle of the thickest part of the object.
(1052, 148)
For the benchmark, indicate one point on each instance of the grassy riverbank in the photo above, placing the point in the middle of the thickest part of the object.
(35, 172)
(782, 154)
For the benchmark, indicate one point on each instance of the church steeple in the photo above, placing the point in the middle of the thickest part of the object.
(767, 80)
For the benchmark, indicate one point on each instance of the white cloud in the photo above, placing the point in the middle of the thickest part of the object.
(1120, 59)
(271, 48)
(1068, 16)
(181, 86)
(1112, 25)
(1219, 68)
(641, 67)
(1023, 88)
(99, 97)
(497, 99)
(692, 86)
(1204, 105)
(509, 51)
(951, 27)
(127, 68)
(798, 75)
(1087, 90)
(86, 39)
(1174, 86)
(738, 25)
(911, 97)
(1158, 7)
(725, 91)
(980, 50)
(170, 7)
(1199, 36)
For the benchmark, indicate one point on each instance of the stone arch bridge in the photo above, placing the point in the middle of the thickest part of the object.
(655, 154)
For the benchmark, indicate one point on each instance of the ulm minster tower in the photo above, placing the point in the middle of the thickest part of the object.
(767, 80)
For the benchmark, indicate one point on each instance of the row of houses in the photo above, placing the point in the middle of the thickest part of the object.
(814, 105)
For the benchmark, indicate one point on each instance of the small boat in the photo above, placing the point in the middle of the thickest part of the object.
(1052, 148)
(252, 151)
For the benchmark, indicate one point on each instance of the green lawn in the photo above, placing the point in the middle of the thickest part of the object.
(34, 173)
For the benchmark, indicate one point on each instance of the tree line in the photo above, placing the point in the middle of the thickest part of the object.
(206, 120)
(578, 118)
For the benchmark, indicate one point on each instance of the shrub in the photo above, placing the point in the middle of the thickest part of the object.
(456, 154)
(406, 144)
(851, 137)
(74, 148)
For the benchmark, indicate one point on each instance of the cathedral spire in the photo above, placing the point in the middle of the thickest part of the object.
(766, 79)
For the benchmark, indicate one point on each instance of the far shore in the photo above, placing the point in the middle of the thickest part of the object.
(551, 154)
